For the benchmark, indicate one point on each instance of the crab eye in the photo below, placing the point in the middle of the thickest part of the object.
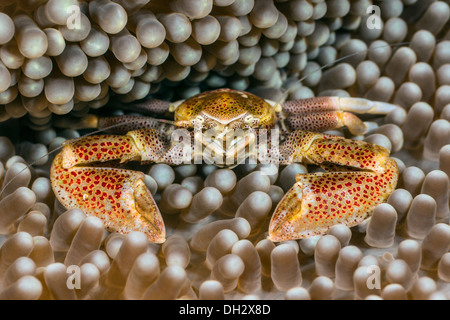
(198, 119)
(248, 119)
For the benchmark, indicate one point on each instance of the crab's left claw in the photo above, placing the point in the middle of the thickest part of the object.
(117, 196)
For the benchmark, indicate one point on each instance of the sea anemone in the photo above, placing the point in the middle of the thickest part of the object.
(74, 57)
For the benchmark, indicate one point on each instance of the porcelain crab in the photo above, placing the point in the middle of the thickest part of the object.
(225, 127)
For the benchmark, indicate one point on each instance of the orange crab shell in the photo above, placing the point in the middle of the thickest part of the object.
(225, 107)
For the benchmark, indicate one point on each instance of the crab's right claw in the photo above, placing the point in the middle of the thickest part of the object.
(118, 197)
(319, 201)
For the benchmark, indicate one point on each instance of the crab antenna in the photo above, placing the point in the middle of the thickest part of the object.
(90, 121)
(286, 93)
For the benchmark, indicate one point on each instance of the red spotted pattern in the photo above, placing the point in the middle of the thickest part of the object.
(99, 148)
(315, 148)
(321, 200)
(316, 122)
(311, 105)
(108, 194)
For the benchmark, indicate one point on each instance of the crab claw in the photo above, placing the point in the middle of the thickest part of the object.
(319, 201)
(117, 196)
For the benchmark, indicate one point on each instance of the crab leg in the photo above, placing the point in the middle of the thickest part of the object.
(149, 106)
(324, 113)
(319, 201)
(118, 196)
